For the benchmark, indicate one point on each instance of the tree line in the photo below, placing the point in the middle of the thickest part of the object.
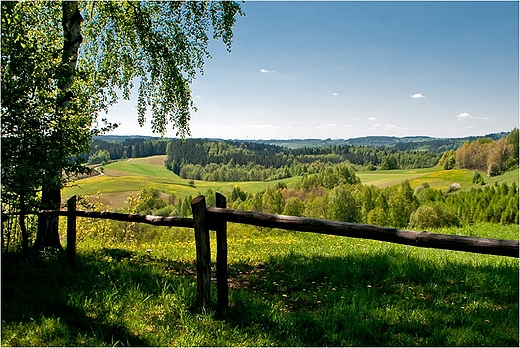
(200, 159)
(337, 194)
(485, 154)
(103, 151)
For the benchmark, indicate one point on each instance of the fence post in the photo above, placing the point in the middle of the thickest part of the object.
(71, 231)
(222, 278)
(198, 208)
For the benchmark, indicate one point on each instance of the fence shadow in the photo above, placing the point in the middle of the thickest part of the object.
(292, 300)
(373, 301)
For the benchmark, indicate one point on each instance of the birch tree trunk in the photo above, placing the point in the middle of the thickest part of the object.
(48, 235)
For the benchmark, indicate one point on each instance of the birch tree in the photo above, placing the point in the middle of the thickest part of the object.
(65, 62)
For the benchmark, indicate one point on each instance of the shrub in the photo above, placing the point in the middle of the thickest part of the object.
(454, 187)
(294, 207)
(433, 216)
(449, 163)
(493, 169)
(478, 178)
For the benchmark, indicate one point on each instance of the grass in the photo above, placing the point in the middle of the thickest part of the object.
(124, 177)
(386, 178)
(286, 289)
(132, 175)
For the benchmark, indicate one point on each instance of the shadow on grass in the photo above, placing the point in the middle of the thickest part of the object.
(37, 289)
(292, 300)
(383, 300)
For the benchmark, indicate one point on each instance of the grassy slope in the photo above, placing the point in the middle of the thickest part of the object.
(123, 177)
(287, 289)
(130, 176)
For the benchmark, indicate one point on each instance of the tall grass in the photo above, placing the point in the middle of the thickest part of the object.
(286, 289)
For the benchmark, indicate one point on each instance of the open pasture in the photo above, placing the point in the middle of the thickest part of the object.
(122, 178)
(386, 178)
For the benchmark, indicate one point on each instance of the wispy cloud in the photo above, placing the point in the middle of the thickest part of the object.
(265, 71)
(335, 93)
(466, 115)
(417, 96)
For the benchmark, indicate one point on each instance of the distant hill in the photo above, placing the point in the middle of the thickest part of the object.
(416, 143)
(371, 141)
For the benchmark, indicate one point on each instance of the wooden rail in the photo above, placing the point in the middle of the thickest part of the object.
(207, 218)
(420, 239)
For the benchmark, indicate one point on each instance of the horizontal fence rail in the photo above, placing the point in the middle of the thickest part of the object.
(145, 219)
(423, 239)
(419, 239)
(208, 218)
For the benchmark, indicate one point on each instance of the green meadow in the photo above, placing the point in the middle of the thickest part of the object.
(135, 284)
(121, 178)
(286, 289)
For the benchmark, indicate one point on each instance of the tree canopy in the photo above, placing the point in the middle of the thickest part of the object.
(65, 62)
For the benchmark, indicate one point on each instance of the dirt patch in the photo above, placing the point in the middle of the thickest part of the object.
(155, 160)
(115, 200)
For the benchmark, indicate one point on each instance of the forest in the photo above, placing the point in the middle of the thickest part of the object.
(226, 160)
(328, 187)
(337, 194)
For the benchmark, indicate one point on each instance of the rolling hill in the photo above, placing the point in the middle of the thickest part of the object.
(121, 178)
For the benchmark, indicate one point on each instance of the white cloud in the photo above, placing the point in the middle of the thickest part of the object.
(328, 126)
(335, 93)
(265, 71)
(466, 115)
(417, 96)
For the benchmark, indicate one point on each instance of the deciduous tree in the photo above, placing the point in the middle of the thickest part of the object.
(64, 62)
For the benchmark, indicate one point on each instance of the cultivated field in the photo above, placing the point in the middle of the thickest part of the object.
(124, 177)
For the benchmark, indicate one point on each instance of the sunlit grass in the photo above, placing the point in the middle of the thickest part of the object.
(286, 289)
(386, 178)
(150, 173)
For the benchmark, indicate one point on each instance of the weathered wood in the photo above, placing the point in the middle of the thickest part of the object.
(198, 207)
(420, 239)
(222, 277)
(71, 231)
(146, 219)
(393, 235)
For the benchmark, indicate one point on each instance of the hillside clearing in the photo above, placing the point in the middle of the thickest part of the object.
(123, 177)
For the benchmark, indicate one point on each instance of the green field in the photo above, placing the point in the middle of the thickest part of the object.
(124, 177)
(135, 284)
(286, 289)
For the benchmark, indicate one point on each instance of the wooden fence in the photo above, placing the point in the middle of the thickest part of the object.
(207, 218)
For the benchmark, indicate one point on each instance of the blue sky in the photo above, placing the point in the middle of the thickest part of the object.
(352, 69)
